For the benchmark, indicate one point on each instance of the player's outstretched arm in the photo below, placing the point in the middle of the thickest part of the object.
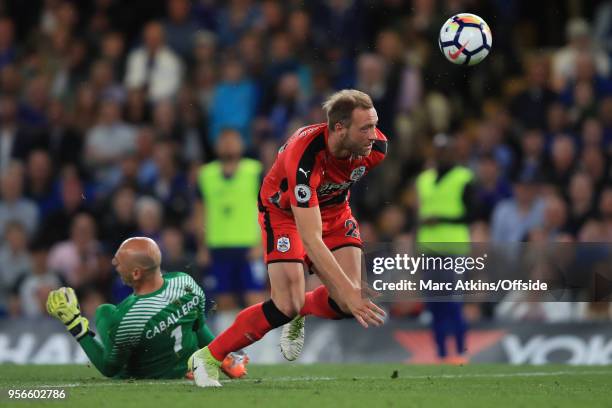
(64, 306)
(308, 221)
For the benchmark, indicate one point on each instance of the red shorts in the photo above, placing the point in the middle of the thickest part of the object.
(282, 242)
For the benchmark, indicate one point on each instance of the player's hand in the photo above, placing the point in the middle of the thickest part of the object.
(64, 306)
(364, 310)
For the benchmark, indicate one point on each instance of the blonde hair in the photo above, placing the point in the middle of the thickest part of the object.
(340, 106)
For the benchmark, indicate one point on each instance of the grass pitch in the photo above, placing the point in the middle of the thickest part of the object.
(321, 385)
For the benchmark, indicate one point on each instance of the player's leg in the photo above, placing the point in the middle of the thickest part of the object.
(325, 301)
(283, 252)
(341, 235)
(251, 324)
(343, 238)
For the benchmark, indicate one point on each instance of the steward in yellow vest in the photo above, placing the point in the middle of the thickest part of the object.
(445, 200)
(228, 229)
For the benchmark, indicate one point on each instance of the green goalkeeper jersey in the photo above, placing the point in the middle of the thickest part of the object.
(152, 335)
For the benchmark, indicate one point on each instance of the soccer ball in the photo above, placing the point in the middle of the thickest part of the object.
(465, 39)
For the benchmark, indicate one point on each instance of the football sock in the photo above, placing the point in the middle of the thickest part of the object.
(250, 325)
(318, 303)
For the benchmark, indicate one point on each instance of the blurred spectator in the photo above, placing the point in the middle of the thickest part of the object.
(77, 259)
(592, 134)
(14, 140)
(56, 225)
(233, 104)
(154, 67)
(89, 299)
(137, 110)
(491, 188)
(180, 29)
(41, 186)
(605, 210)
(165, 122)
(236, 18)
(288, 107)
(582, 92)
(174, 256)
(491, 141)
(557, 122)
(554, 220)
(531, 105)
(403, 82)
(194, 146)
(13, 205)
(513, 218)
(204, 48)
(170, 184)
(593, 161)
(112, 50)
(103, 80)
(14, 259)
(299, 28)
(605, 116)
(579, 39)
(532, 151)
(8, 52)
(581, 200)
(108, 141)
(33, 109)
(391, 223)
(10, 80)
(563, 160)
(149, 218)
(118, 220)
(29, 294)
(60, 139)
(85, 111)
(602, 30)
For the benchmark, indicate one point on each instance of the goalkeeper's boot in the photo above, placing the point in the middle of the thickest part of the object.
(234, 365)
(205, 368)
(292, 338)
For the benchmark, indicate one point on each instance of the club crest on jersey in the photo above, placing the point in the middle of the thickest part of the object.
(302, 193)
(283, 244)
(358, 173)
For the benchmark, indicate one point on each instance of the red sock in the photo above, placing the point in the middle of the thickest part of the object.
(250, 325)
(316, 303)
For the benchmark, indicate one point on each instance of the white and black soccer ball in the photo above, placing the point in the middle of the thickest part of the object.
(465, 39)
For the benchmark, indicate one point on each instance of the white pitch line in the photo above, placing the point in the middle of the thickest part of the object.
(310, 378)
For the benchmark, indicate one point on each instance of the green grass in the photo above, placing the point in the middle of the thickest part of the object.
(321, 385)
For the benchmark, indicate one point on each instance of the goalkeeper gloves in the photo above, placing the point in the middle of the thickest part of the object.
(64, 306)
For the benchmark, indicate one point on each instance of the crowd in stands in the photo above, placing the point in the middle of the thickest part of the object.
(109, 108)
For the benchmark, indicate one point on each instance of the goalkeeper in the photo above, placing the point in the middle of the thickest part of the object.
(153, 332)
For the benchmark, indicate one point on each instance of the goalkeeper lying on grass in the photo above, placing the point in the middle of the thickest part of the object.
(153, 332)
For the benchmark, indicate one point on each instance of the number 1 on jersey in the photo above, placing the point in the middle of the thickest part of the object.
(177, 334)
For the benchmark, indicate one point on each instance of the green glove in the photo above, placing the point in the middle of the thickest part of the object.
(64, 306)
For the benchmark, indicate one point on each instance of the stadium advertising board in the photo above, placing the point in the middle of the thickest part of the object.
(43, 342)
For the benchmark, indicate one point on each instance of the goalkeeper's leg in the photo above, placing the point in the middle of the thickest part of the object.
(251, 324)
